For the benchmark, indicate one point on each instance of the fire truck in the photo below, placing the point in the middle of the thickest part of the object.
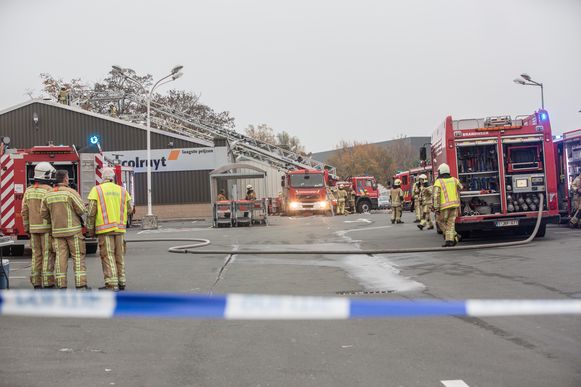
(17, 172)
(306, 191)
(568, 157)
(366, 193)
(504, 164)
(408, 179)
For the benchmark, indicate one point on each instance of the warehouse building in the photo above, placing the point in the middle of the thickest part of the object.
(180, 164)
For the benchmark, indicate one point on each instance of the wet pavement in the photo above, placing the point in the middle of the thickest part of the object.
(499, 351)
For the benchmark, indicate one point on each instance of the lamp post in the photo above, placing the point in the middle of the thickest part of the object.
(150, 220)
(526, 80)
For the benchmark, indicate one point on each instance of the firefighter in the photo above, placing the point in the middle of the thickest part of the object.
(63, 96)
(576, 190)
(396, 196)
(113, 110)
(42, 266)
(446, 201)
(416, 191)
(250, 194)
(221, 196)
(109, 205)
(426, 204)
(64, 208)
(341, 198)
(351, 199)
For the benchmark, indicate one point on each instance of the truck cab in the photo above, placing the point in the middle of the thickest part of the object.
(305, 190)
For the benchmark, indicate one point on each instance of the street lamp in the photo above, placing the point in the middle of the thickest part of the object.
(526, 80)
(150, 221)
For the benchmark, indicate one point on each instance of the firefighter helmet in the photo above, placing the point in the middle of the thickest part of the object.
(249, 186)
(423, 177)
(44, 171)
(443, 169)
(108, 174)
(397, 182)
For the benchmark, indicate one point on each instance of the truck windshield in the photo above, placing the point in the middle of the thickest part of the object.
(306, 180)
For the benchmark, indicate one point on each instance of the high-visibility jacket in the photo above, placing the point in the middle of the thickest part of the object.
(446, 193)
(112, 203)
(64, 208)
(31, 203)
(396, 195)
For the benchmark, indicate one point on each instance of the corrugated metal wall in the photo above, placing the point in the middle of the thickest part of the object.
(186, 187)
(67, 127)
(63, 126)
(268, 187)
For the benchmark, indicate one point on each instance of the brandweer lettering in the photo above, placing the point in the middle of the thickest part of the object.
(139, 163)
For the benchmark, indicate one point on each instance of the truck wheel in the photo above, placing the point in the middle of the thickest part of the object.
(91, 247)
(542, 231)
(363, 206)
(13, 251)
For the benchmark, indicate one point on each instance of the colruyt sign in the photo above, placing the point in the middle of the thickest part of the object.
(167, 160)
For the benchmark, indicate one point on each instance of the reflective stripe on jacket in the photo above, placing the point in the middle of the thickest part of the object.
(448, 193)
(112, 205)
(64, 208)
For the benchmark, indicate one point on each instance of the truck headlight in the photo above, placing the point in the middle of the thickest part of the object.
(294, 205)
(323, 204)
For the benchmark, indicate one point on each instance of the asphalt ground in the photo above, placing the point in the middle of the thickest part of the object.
(499, 351)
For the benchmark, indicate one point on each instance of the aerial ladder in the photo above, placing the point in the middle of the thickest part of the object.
(240, 145)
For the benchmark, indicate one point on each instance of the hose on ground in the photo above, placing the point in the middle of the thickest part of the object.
(193, 248)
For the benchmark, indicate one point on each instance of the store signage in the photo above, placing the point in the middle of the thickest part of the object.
(167, 160)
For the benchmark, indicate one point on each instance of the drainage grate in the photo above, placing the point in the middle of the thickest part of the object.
(363, 292)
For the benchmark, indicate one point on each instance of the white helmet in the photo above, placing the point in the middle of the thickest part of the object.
(397, 182)
(108, 174)
(44, 171)
(443, 168)
(249, 186)
(422, 176)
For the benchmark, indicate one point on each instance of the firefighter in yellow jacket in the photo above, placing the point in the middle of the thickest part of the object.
(416, 192)
(396, 196)
(576, 190)
(63, 207)
(446, 201)
(109, 205)
(426, 204)
(42, 266)
(341, 199)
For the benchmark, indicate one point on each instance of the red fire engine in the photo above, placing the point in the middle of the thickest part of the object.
(366, 193)
(568, 157)
(503, 164)
(408, 179)
(305, 190)
(17, 172)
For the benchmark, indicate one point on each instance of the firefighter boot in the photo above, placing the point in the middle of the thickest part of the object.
(421, 226)
(448, 244)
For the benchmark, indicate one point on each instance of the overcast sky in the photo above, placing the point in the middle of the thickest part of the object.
(322, 70)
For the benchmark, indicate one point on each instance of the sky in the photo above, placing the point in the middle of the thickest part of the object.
(323, 70)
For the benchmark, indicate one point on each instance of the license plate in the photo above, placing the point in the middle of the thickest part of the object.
(506, 223)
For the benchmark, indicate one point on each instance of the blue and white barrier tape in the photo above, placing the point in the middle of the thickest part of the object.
(259, 307)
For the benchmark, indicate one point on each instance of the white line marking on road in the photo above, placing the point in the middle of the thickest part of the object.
(11, 277)
(343, 232)
(195, 221)
(454, 383)
(361, 220)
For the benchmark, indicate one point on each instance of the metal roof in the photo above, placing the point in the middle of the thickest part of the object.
(105, 117)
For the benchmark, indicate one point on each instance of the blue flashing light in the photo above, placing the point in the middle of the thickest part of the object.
(543, 116)
(94, 140)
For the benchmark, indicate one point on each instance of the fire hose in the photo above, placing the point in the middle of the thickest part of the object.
(194, 248)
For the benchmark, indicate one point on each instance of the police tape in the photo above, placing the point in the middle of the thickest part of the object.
(259, 307)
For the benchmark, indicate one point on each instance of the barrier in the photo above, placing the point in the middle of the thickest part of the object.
(106, 304)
